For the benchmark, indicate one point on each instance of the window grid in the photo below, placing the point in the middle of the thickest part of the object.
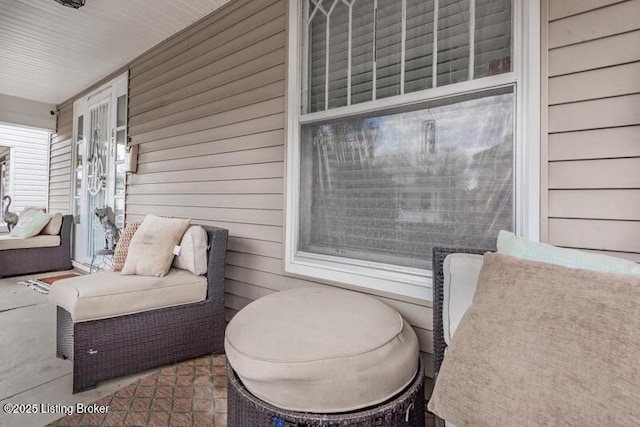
(318, 6)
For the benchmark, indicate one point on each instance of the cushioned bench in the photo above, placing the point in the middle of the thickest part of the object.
(110, 294)
(38, 254)
(314, 354)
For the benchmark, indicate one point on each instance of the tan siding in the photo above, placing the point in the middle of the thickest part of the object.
(602, 83)
(594, 126)
(605, 173)
(207, 110)
(595, 24)
(595, 144)
(594, 114)
(596, 234)
(600, 53)
(565, 8)
(595, 204)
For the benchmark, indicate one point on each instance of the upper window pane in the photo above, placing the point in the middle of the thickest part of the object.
(362, 50)
(492, 37)
(388, 188)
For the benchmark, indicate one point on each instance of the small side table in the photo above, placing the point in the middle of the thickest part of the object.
(101, 260)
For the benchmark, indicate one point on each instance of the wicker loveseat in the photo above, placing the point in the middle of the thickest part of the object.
(124, 344)
(20, 258)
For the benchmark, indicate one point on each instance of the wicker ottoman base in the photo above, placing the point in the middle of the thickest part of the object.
(404, 410)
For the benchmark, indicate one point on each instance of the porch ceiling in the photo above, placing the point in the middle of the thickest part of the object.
(49, 52)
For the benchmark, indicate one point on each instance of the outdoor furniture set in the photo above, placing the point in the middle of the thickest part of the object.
(530, 332)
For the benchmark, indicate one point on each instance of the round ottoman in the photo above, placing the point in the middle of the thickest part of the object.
(339, 354)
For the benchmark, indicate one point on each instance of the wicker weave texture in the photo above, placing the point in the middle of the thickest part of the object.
(439, 345)
(404, 410)
(123, 345)
(17, 262)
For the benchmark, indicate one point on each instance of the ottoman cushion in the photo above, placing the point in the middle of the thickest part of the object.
(321, 350)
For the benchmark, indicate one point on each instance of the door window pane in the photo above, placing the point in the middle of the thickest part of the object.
(390, 187)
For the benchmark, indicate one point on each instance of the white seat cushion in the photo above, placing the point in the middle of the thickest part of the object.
(460, 273)
(39, 241)
(108, 294)
(321, 350)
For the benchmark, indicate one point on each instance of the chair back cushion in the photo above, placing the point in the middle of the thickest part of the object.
(54, 225)
(460, 273)
(193, 251)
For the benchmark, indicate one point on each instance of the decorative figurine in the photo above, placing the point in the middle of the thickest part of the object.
(9, 217)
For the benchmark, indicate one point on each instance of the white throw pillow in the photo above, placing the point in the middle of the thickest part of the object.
(151, 248)
(193, 251)
(520, 247)
(30, 224)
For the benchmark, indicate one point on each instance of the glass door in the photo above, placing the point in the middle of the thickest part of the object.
(98, 160)
(99, 174)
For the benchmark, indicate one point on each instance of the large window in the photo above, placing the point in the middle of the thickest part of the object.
(404, 136)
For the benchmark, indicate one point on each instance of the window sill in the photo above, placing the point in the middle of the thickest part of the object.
(414, 285)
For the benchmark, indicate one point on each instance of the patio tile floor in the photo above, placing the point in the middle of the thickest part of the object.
(190, 393)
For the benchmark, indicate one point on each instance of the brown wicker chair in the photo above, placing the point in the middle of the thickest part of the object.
(439, 345)
(123, 345)
(17, 262)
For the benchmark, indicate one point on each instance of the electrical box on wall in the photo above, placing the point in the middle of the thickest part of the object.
(131, 158)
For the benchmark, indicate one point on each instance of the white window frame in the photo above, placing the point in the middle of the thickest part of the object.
(417, 283)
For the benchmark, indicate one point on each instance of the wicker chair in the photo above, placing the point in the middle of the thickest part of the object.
(123, 345)
(17, 262)
(439, 345)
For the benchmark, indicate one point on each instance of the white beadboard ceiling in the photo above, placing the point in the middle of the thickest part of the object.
(49, 52)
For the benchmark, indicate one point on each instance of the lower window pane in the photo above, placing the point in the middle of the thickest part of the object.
(388, 188)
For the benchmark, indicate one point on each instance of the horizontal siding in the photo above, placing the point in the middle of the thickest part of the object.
(60, 161)
(27, 165)
(595, 144)
(602, 22)
(566, 8)
(594, 84)
(207, 113)
(594, 126)
(595, 114)
(599, 53)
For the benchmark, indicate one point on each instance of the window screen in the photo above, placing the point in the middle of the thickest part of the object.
(389, 187)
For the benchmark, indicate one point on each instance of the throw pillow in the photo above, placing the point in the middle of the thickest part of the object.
(54, 225)
(30, 224)
(122, 247)
(151, 248)
(193, 251)
(544, 344)
(520, 247)
(31, 208)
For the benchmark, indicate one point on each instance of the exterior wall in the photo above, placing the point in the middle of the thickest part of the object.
(593, 64)
(60, 161)
(27, 165)
(207, 110)
(24, 112)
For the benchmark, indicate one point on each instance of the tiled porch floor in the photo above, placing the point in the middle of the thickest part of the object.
(191, 393)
